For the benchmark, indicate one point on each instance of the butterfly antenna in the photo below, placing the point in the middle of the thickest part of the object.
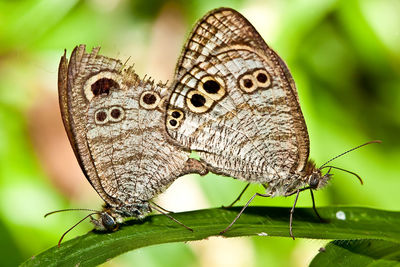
(355, 174)
(57, 211)
(357, 147)
(66, 232)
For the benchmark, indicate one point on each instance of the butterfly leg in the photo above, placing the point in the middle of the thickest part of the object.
(242, 210)
(314, 208)
(66, 232)
(291, 214)
(238, 198)
(169, 216)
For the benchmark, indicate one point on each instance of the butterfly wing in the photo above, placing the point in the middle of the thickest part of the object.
(235, 103)
(114, 121)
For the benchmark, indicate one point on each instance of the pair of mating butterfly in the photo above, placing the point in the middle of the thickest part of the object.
(233, 101)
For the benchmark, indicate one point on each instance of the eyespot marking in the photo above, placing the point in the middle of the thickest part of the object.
(173, 122)
(175, 114)
(263, 78)
(101, 117)
(258, 79)
(248, 83)
(149, 100)
(174, 118)
(197, 100)
(116, 113)
(103, 86)
(212, 87)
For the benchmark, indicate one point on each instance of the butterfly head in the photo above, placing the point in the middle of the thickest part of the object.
(110, 217)
(108, 221)
(315, 178)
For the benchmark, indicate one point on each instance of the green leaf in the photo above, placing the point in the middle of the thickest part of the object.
(364, 252)
(341, 223)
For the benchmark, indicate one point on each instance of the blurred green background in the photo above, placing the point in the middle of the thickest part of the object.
(344, 56)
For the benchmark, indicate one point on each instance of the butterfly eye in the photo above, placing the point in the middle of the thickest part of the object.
(116, 114)
(263, 78)
(101, 117)
(213, 87)
(109, 222)
(248, 83)
(149, 100)
(198, 102)
(314, 180)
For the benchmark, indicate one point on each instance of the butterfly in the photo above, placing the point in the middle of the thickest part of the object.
(114, 122)
(235, 103)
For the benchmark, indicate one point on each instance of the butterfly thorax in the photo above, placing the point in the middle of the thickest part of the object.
(310, 176)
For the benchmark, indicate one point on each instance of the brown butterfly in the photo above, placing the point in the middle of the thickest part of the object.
(235, 103)
(114, 122)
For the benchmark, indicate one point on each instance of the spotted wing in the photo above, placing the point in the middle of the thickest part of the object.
(115, 125)
(235, 102)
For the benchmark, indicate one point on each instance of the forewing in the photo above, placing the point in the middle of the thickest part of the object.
(247, 122)
(119, 143)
